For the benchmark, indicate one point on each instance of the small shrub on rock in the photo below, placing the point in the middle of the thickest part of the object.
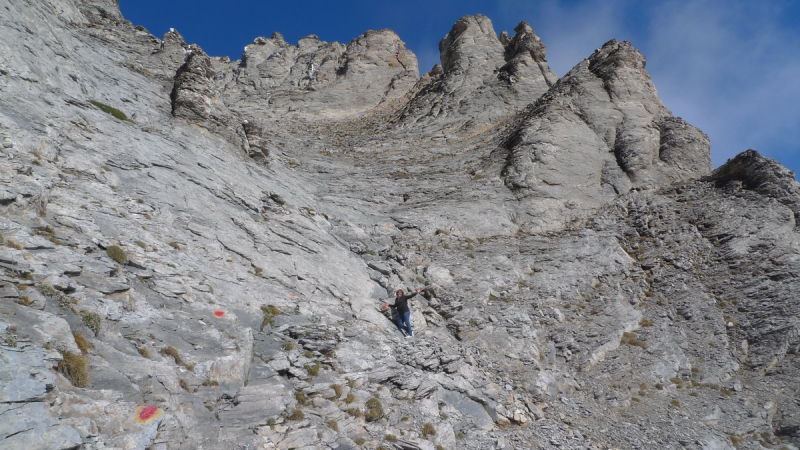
(73, 367)
(313, 370)
(47, 290)
(111, 110)
(297, 414)
(185, 385)
(10, 341)
(630, 339)
(116, 253)
(173, 352)
(270, 312)
(67, 302)
(428, 430)
(13, 244)
(374, 410)
(93, 321)
(301, 397)
(355, 412)
(83, 344)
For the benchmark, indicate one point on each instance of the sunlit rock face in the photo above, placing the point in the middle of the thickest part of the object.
(598, 133)
(195, 251)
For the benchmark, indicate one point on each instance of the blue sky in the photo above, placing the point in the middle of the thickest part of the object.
(729, 67)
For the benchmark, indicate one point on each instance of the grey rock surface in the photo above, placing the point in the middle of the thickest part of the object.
(218, 255)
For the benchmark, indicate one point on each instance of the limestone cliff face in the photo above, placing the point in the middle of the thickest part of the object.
(329, 79)
(194, 251)
(598, 133)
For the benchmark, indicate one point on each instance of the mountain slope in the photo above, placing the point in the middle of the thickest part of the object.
(194, 250)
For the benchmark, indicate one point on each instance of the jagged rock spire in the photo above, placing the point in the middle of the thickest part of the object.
(317, 77)
(482, 78)
(763, 175)
(599, 132)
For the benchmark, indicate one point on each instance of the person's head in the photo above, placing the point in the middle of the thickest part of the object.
(399, 292)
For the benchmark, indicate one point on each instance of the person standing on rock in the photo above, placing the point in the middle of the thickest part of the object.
(403, 313)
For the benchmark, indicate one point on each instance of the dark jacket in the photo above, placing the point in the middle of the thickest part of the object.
(401, 303)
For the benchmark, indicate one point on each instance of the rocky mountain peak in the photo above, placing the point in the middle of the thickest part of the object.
(471, 44)
(482, 80)
(331, 76)
(766, 176)
(614, 56)
(525, 40)
(384, 49)
(629, 140)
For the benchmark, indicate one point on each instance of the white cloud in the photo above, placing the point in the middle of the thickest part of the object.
(729, 68)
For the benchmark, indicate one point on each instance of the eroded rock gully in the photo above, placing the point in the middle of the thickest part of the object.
(194, 250)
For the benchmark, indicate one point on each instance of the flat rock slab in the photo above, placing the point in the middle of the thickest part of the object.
(469, 408)
(105, 285)
(265, 400)
(44, 328)
(32, 426)
(25, 375)
(9, 291)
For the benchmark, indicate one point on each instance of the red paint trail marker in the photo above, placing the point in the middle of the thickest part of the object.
(292, 295)
(219, 313)
(147, 414)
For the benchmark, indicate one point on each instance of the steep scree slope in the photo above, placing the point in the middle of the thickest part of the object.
(194, 250)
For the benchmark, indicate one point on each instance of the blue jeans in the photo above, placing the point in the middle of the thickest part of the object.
(404, 322)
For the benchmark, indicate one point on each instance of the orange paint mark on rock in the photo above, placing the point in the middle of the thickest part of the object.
(292, 295)
(146, 414)
(218, 313)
